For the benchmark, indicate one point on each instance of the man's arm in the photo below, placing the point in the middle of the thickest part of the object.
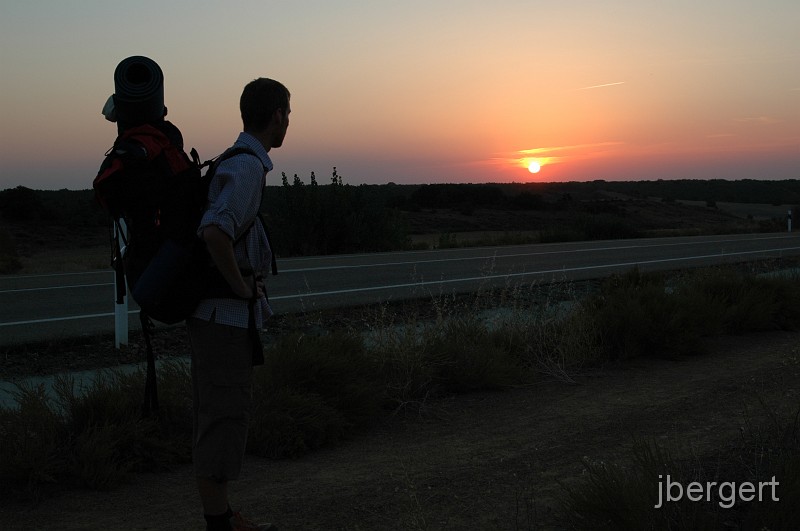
(220, 247)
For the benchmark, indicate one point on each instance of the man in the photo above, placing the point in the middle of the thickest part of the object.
(223, 337)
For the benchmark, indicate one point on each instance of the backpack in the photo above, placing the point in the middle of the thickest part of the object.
(151, 185)
(156, 195)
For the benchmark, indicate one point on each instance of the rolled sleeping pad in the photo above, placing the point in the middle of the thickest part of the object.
(138, 91)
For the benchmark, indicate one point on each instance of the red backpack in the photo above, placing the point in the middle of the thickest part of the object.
(148, 182)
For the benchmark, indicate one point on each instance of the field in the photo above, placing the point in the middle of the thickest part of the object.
(506, 458)
(492, 460)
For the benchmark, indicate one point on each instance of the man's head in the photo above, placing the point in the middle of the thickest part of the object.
(265, 111)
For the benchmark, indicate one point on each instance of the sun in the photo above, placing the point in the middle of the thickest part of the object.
(534, 166)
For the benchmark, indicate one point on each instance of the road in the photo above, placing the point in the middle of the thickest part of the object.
(58, 306)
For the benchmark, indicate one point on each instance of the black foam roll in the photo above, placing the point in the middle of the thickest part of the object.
(138, 90)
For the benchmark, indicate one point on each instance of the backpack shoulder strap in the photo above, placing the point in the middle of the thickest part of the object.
(227, 154)
(213, 164)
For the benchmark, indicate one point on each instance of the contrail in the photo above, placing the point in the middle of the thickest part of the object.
(600, 86)
(564, 148)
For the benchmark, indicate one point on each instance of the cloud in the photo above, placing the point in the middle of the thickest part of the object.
(549, 155)
(603, 85)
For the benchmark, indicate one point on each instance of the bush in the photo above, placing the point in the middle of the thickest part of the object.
(636, 316)
(732, 302)
(640, 314)
(406, 367)
(549, 341)
(31, 440)
(313, 390)
(469, 359)
(93, 436)
(288, 423)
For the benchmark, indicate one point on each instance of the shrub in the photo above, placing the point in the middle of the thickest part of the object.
(406, 367)
(469, 359)
(91, 436)
(635, 316)
(553, 345)
(312, 390)
(289, 423)
(31, 440)
(734, 302)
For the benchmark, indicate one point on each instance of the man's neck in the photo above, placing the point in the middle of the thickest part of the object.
(264, 137)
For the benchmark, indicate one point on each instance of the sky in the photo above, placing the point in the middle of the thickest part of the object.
(420, 91)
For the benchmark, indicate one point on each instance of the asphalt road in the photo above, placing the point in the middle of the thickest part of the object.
(36, 307)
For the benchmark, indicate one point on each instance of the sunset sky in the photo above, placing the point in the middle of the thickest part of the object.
(421, 91)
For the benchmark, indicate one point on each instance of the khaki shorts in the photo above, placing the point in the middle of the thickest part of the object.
(222, 388)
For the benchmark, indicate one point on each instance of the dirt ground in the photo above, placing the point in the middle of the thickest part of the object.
(481, 461)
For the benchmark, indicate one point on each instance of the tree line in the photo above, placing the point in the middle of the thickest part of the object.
(335, 217)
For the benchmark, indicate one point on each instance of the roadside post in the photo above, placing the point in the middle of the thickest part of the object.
(120, 294)
(790, 220)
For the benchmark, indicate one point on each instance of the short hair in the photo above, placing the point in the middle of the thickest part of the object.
(260, 99)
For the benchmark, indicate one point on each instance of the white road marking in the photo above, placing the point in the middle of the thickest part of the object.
(440, 282)
(430, 261)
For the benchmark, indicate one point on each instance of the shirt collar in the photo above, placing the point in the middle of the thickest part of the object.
(249, 141)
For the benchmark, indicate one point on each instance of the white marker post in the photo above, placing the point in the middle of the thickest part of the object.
(790, 220)
(121, 309)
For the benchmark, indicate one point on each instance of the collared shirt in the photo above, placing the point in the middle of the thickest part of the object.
(234, 197)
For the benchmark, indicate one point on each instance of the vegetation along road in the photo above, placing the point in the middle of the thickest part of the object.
(52, 306)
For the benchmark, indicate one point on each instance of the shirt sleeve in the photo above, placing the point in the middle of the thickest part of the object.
(240, 183)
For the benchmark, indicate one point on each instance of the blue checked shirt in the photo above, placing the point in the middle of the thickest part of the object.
(234, 196)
